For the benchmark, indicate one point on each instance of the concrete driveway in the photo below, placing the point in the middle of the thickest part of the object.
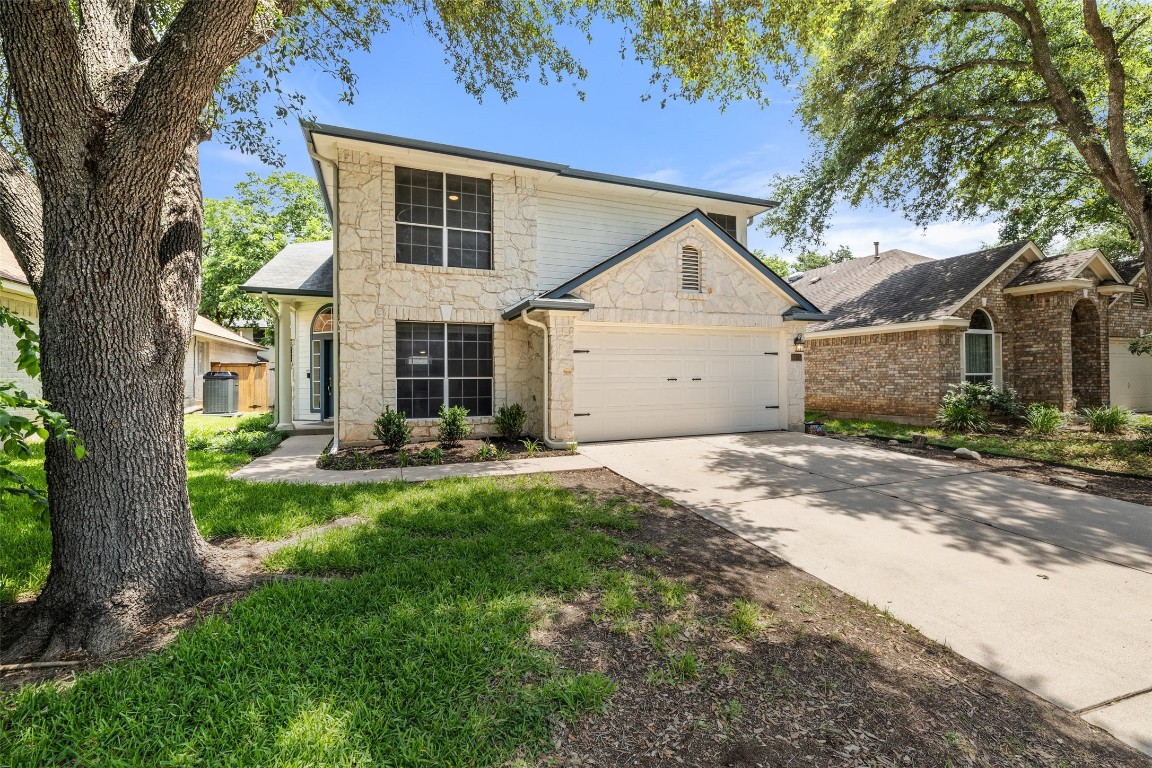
(1050, 588)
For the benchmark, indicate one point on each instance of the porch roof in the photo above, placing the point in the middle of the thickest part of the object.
(301, 269)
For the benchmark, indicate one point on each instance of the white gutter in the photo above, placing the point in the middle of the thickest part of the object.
(334, 199)
(548, 441)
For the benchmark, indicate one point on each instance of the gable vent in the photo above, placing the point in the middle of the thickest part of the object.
(1139, 298)
(690, 269)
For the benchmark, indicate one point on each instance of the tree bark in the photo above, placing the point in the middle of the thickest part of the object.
(125, 549)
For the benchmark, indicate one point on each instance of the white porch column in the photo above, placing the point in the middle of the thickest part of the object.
(284, 407)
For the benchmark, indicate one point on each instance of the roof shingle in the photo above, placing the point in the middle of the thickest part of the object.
(301, 268)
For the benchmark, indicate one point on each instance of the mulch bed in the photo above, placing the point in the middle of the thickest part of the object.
(1113, 485)
(829, 681)
(380, 457)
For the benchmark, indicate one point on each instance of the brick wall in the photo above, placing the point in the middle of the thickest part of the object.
(900, 375)
(1126, 320)
(1089, 357)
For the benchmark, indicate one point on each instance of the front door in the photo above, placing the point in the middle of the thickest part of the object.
(326, 378)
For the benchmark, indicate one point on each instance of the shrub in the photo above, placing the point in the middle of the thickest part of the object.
(454, 425)
(392, 429)
(257, 422)
(531, 446)
(510, 421)
(252, 443)
(1043, 419)
(1003, 401)
(960, 415)
(487, 452)
(1108, 420)
(430, 456)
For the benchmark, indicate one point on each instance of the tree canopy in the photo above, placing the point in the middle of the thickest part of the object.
(1032, 111)
(244, 231)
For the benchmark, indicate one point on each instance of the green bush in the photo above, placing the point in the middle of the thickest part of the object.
(257, 422)
(454, 425)
(432, 456)
(1108, 420)
(958, 414)
(392, 429)
(510, 421)
(1043, 419)
(252, 443)
(1003, 401)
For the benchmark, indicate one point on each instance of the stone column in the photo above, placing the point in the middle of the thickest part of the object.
(284, 407)
(561, 340)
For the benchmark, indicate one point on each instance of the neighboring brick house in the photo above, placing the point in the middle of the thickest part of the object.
(608, 307)
(211, 343)
(906, 327)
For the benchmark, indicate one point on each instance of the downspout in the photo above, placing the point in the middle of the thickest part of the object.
(334, 203)
(548, 441)
(279, 354)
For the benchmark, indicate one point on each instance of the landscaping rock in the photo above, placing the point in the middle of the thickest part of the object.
(893, 442)
(920, 441)
(1075, 482)
(966, 453)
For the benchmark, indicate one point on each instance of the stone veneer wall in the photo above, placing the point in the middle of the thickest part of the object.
(377, 292)
(645, 289)
(901, 375)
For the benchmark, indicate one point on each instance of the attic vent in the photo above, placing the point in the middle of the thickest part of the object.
(1139, 298)
(690, 269)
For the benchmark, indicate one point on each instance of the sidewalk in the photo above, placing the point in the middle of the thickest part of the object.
(295, 462)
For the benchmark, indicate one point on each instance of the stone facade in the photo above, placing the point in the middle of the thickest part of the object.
(376, 291)
(1054, 348)
(645, 289)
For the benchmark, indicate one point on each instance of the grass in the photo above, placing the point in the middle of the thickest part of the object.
(1070, 447)
(417, 654)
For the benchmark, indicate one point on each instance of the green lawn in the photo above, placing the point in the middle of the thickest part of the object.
(1072, 447)
(417, 652)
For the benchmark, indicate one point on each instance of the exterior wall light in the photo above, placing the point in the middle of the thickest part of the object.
(798, 343)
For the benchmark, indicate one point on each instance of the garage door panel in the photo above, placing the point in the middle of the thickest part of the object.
(1130, 377)
(639, 382)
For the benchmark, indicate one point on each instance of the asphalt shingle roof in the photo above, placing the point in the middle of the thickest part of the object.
(903, 288)
(9, 269)
(301, 268)
(1063, 266)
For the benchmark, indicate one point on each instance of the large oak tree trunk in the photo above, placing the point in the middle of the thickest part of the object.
(125, 549)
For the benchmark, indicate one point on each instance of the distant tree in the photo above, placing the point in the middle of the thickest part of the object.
(244, 231)
(814, 259)
(774, 262)
(1034, 111)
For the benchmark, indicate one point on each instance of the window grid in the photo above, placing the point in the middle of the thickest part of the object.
(457, 368)
(434, 229)
(726, 222)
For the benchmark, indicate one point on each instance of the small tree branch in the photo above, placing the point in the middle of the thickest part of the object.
(144, 40)
(1115, 129)
(21, 216)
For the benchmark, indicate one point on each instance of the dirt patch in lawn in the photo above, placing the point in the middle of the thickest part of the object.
(724, 655)
(425, 454)
(1116, 486)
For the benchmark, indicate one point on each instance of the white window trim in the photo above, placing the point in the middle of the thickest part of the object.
(996, 350)
(444, 228)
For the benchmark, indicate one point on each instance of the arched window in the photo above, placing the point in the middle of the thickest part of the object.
(690, 269)
(321, 332)
(979, 349)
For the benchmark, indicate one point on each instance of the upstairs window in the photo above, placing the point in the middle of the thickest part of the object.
(690, 269)
(725, 222)
(443, 220)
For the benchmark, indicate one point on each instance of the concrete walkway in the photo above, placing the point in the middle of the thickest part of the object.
(295, 462)
(1049, 587)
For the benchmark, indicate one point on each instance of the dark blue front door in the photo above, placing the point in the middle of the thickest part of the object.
(326, 379)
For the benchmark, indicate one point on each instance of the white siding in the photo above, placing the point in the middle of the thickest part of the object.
(302, 356)
(219, 351)
(25, 307)
(577, 230)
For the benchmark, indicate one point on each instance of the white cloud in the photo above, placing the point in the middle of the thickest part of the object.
(665, 176)
(948, 238)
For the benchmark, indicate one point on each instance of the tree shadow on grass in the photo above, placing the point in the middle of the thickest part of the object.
(419, 656)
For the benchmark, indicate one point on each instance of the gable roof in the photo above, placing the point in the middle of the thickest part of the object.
(702, 219)
(300, 269)
(9, 270)
(836, 284)
(921, 290)
(205, 327)
(1064, 266)
(559, 169)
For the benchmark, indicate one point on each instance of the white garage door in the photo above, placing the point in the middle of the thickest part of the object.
(1131, 377)
(633, 381)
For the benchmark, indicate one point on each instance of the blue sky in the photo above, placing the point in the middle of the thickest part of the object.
(406, 89)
